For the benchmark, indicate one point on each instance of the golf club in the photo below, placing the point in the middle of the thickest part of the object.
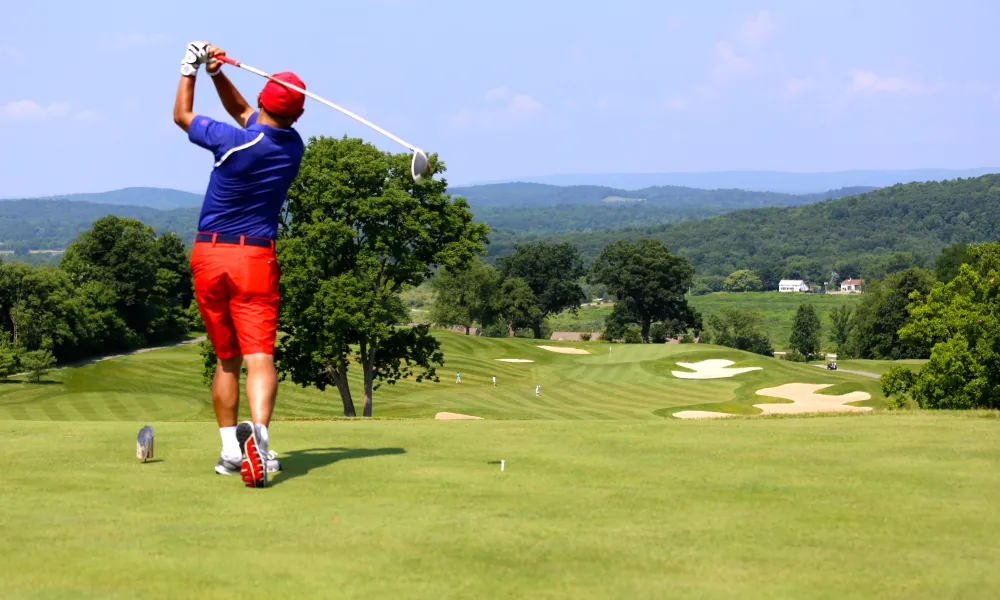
(419, 166)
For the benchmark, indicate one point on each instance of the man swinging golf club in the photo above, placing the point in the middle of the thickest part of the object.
(234, 265)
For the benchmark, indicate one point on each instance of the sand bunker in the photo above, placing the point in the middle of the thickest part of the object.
(805, 400)
(447, 416)
(515, 360)
(564, 350)
(710, 369)
(701, 414)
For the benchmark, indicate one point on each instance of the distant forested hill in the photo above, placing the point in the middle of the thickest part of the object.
(538, 208)
(164, 199)
(888, 228)
(53, 224)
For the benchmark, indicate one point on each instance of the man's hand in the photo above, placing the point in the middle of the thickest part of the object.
(195, 56)
(212, 65)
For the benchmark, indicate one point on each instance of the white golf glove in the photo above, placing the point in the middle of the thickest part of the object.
(195, 56)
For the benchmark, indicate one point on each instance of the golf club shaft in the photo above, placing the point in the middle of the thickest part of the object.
(237, 63)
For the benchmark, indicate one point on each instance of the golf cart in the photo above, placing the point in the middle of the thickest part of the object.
(832, 365)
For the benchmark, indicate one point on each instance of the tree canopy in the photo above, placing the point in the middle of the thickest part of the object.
(552, 272)
(807, 331)
(649, 283)
(358, 230)
(958, 323)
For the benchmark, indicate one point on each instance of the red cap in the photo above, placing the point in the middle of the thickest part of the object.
(279, 100)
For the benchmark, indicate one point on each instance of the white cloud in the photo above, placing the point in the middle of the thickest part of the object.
(867, 81)
(757, 30)
(28, 110)
(503, 109)
(523, 104)
(729, 64)
(500, 93)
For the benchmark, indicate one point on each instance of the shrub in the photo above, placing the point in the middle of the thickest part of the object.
(687, 338)
(896, 385)
(632, 335)
(658, 333)
(37, 363)
(585, 336)
(795, 356)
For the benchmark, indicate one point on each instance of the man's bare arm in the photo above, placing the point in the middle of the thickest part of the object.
(184, 103)
(234, 103)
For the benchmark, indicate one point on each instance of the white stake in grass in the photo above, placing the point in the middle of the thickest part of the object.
(502, 462)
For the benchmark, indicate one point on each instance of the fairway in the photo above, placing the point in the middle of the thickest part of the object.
(631, 382)
(604, 495)
(867, 506)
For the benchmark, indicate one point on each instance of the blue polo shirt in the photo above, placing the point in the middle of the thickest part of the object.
(254, 167)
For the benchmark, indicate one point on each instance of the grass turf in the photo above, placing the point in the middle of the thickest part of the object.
(884, 505)
(778, 310)
(615, 382)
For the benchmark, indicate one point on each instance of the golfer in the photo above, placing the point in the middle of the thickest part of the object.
(233, 262)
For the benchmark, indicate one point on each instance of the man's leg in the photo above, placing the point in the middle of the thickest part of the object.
(226, 391)
(262, 387)
(212, 293)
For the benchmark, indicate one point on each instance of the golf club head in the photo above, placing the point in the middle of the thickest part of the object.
(420, 167)
(144, 444)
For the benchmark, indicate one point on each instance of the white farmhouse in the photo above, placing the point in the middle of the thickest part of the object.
(792, 285)
(851, 285)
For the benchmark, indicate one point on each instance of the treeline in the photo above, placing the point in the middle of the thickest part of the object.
(538, 280)
(119, 286)
(54, 224)
(868, 236)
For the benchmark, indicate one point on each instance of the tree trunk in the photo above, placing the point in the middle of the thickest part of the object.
(466, 330)
(368, 361)
(510, 330)
(339, 376)
(645, 329)
(536, 330)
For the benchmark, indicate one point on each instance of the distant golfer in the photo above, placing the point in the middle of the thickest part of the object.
(458, 378)
(494, 381)
(234, 265)
(538, 390)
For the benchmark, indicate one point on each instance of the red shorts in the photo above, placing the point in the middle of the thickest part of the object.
(237, 291)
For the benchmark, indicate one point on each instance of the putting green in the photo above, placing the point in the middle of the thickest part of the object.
(888, 506)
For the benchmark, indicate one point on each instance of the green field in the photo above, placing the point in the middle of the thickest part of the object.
(778, 310)
(602, 496)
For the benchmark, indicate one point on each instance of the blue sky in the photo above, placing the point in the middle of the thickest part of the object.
(515, 89)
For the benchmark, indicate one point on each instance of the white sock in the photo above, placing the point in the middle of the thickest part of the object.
(262, 432)
(230, 447)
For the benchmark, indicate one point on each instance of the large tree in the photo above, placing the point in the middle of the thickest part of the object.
(649, 283)
(882, 313)
(840, 326)
(515, 305)
(950, 260)
(552, 272)
(142, 279)
(358, 230)
(743, 280)
(959, 324)
(807, 331)
(464, 296)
